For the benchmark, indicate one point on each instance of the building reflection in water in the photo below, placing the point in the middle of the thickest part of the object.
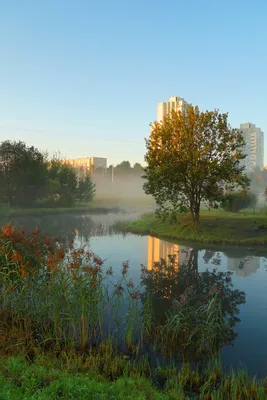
(244, 266)
(158, 250)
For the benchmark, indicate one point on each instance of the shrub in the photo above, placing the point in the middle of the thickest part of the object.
(236, 201)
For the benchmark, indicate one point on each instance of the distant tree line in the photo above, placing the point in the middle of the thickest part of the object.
(122, 170)
(29, 178)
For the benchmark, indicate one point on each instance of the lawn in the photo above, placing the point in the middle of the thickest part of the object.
(215, 227)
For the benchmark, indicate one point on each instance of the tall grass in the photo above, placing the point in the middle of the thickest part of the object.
(61, 308)
(61, 298)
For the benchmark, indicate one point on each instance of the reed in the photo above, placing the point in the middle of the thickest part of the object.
(66, 314)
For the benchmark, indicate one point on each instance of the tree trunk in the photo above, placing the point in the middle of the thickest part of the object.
(194, 211)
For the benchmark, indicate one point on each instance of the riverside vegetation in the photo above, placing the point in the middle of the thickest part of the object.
(28, 179)
(69, 328)
(214, 227)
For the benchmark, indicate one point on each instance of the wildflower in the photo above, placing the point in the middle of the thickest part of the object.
(98, 261)
(28, 265)
(60, 254)
(50, 261)
(36, 230)
(109, 271)
(119, 289)
(82, 251)
(135, 295)
(130, 284)
(125, 267)
(7, 230)
(74, 265)
(23, 272)
(16, 256)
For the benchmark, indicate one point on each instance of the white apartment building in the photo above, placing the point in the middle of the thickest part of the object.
(254, 147)
(89, 163)
(173, 103)
(86, 164)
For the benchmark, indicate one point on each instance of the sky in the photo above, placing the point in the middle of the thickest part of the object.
(83, 77)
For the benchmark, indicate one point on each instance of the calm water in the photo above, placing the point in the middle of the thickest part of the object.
(249, 269)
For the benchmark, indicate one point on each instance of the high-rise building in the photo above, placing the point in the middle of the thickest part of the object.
(86, 164)
(173, 103)
(254, 146)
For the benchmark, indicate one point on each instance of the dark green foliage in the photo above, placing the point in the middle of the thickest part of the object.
(28, 179)
(85, 189)
(23, 173)
(236, 201)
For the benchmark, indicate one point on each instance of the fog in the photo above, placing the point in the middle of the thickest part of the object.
(123, 189)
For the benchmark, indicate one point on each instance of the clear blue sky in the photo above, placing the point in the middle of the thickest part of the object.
(85, 76)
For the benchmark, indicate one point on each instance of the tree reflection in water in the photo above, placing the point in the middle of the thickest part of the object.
(66, 226)
(192, 313)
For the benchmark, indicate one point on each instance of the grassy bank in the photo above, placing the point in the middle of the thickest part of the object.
(215, 227)
(49, 379)
(22, 380)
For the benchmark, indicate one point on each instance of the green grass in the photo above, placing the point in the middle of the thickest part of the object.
(44, 379)
(21, 380)
(215, 227)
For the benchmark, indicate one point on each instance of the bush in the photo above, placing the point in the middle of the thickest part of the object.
(236, 201)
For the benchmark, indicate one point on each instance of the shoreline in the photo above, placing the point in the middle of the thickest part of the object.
(213, 232)
(31, 212)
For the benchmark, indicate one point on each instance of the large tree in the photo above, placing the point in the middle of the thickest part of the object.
(192, 157)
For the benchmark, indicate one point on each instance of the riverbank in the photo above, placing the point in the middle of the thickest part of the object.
(98, 206)
(49, 378)
(215, 228)
(73, 328)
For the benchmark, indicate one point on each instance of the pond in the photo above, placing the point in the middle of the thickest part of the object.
(249, 268)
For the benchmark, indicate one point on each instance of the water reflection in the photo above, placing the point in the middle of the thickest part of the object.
(165, 284)
(68, 226)
(158, 249)
(205, 303)
(245, 266)
(242, 265)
